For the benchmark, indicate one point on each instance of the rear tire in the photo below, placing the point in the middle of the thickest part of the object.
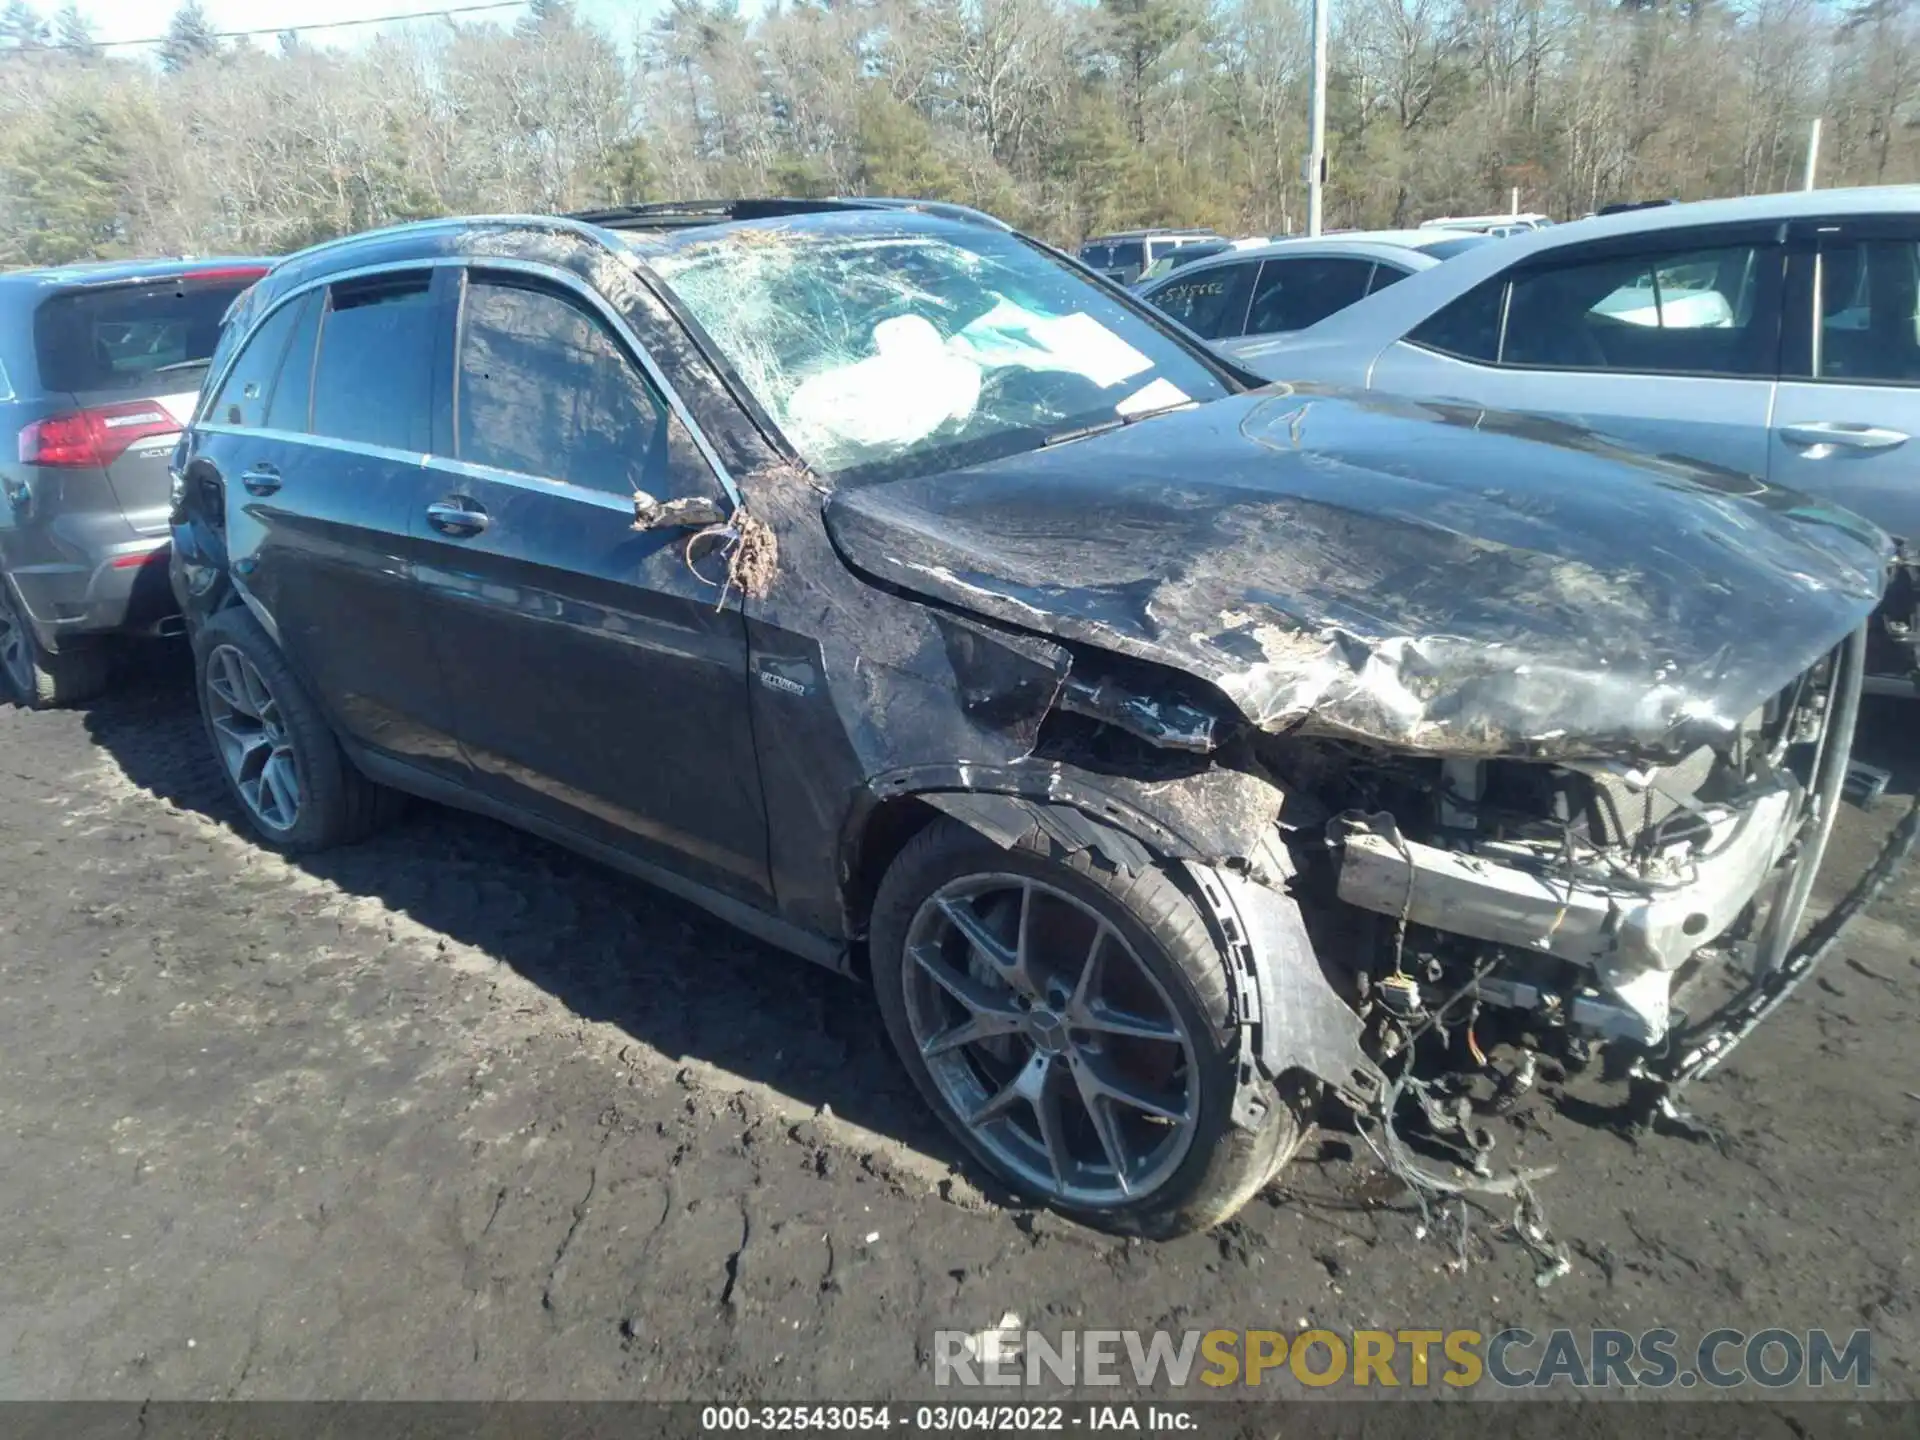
(280, 758)
(42, 679)
(1162, 970)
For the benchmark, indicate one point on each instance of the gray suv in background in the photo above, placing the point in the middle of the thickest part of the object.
(100, 368)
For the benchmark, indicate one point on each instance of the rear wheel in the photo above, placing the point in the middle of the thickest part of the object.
(1070, 1025)
(281, 760)
(42, 679)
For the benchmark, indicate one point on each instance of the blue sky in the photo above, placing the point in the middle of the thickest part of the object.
(137, 19)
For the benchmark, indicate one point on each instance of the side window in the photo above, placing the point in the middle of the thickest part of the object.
(1469, 328)
(546, 390)
(1868, 327)
(1293, 294)
(1710, 311)
(373, 380)
(293, 391)
(243, 398)
(1210, 301)
(1383, 276)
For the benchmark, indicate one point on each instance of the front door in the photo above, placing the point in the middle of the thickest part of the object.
(1846, 425)
(598, 681)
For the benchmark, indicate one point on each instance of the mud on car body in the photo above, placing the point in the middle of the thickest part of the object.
(1165, 751)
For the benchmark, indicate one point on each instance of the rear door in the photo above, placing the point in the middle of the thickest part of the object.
(1846, 425)
(597, 674)
(132, 358)
(1669, 341)
(320, 453)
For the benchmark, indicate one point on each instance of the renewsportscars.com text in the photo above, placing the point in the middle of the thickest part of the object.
(1512, 1359)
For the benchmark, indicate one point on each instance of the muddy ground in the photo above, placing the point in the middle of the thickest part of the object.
(455, 1114)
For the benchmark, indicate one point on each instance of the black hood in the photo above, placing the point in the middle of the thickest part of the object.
(1433, 578)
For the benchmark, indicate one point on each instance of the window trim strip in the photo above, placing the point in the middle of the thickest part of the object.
(553, 273)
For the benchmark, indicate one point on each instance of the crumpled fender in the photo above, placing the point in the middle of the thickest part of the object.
(1290, 1016)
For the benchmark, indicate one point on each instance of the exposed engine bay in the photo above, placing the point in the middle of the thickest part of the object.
(1586, 897)
(1480, 916)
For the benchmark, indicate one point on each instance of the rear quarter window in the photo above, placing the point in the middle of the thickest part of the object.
(151, 337)
(1469, 328)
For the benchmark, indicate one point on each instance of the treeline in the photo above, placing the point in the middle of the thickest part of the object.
(1065, 116)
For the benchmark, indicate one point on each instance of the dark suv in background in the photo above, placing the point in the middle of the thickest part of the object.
(100, 368)
(1127, 254)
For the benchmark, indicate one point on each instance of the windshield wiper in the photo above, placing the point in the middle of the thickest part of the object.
(1065, 437)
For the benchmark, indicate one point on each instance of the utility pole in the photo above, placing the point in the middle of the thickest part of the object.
(1813, 153)
(1317, 120)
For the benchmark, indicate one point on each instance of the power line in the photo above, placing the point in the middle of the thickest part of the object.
(444, 13)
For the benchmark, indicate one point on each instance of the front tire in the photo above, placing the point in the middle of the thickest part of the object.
(280, 758)
(1070, 1025)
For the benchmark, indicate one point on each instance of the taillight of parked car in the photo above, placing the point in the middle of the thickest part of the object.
(95, 437)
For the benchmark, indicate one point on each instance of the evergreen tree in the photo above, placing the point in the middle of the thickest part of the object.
(190, 37)
(63, 180)
(897, 154)
(21, 26)
(74, 32)
(546, 15)
(1143, 32)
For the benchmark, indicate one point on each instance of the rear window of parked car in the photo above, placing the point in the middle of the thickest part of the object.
(1115, 256)
(372, 380)
(1458, 245)
(154, 336)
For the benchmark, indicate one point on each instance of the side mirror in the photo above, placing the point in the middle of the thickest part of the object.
(687, 513)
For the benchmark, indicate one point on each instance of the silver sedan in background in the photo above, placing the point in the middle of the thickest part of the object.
(1777, 335)
(1291, 284)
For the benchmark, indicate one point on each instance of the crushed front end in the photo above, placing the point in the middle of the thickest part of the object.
(1557, 907)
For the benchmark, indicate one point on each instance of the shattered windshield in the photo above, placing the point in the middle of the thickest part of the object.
(911, 350)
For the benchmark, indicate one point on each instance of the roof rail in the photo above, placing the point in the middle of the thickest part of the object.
(681, 214)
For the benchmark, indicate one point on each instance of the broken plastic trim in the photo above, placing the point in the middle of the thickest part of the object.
(1291, 1017)
(1658, 1083)
(1171, 724)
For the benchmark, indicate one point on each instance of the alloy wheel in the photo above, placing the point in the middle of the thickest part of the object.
(252, 739)
(1050, 1040)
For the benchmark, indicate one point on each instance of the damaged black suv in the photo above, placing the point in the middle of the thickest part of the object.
(1167, 752)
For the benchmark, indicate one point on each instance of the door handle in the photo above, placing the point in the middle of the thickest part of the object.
(1821, 438)
(459, 517)
(262, 479)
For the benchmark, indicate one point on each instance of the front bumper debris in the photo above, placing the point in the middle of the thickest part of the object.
(1700, 1047)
